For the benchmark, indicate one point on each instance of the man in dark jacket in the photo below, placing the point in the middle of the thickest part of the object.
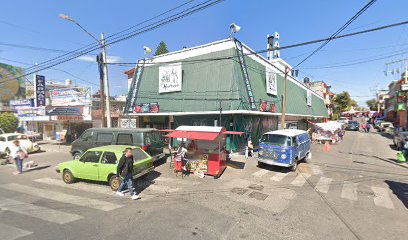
(125, 171)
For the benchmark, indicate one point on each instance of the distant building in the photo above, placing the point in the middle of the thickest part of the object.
(323, 90)
(395, 103)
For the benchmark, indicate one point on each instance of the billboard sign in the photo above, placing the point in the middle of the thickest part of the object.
(271, 83)
(170, 78)
(39, 90)
(21, 103)
(65, 111)
(74, 96)
(32, 114)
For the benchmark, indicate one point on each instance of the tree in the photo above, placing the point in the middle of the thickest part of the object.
(343, 102)
(161, 49)
(8, 122)
(372, 104)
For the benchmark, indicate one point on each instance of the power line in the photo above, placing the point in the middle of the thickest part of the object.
(91, 47)
(34, 47)
(351, 20)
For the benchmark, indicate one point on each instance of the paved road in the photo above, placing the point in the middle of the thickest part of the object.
(355, 191)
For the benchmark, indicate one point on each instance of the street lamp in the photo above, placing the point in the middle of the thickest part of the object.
(104, 82)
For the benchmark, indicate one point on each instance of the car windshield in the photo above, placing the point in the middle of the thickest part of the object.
(274, 139)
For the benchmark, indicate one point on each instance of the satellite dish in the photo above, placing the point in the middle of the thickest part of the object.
(234, 28)
(276, 35)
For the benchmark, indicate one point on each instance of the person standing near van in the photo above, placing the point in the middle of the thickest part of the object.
(18, 153)
(125, 171)
(363, 126)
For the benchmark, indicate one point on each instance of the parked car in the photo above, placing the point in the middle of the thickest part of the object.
(284, 148)
(353, 125)
(399, 139)
(7, 139)
(385, 125)
(100, 164)
(148, 139)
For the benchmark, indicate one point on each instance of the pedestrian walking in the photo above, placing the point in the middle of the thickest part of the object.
(125, 171)
(18, 153)
(368, 127)
(405, 148)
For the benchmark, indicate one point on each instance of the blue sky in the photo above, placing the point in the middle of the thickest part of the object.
(36, 23)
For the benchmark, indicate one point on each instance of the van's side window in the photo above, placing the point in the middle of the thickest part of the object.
(124, 139)
(86, 136)
(104, 138)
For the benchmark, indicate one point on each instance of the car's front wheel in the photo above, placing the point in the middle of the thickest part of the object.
(114, 182)
(294, 166)
(67, 177)
(7, 151)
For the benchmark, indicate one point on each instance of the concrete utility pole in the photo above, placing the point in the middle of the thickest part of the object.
(284, 98)
(102, 90)
(106, 82)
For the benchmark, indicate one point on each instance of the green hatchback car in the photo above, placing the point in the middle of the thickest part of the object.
(100, 164)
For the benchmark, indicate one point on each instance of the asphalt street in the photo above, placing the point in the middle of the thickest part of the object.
(357, 190)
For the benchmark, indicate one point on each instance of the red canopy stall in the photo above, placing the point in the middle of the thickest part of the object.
(206, 151)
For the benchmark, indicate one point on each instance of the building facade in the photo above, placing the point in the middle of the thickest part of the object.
(223, 83)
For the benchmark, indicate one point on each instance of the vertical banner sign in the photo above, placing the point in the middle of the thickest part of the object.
(240, 52)
(309, 98)
(271, 84)
(39, 90)
(134, 88)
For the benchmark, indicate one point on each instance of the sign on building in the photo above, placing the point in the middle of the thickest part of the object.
(271, 83)
(170, 78)
(74, 96)
(32, 114)
(309, 98)
(21, 103)
(39, 90)
(147, 108)
(128, 123)
(404, 87)
(65, 111)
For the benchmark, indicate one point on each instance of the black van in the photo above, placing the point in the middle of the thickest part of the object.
(149, 139)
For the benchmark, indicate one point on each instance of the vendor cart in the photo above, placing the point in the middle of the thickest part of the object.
(206, 149)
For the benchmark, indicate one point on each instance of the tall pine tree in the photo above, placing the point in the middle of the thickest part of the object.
(161, 49)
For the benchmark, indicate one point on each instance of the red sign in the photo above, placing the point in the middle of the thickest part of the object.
(273, 109)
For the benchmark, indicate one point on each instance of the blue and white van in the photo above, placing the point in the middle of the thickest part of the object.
(284, 148)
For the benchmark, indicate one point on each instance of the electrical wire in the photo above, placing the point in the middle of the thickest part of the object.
(351, 20)
(172, 18)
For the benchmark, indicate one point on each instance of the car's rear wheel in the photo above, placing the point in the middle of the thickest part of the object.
(77, 156)
(114, 182)
(7, 151)
(67, 177)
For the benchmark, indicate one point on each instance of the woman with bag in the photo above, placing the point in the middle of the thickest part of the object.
(18, 153)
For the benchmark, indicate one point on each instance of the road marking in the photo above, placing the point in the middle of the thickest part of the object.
(10, 233)
(94, 188)
(260, 173)
(43, 213)
(317, 170)
(323, 184)
(62, 197)
(382, 198)
(300, 179)
(279, 176)
(349, 191)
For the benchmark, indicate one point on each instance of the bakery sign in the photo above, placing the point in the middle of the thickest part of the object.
(170, 78)
(271, 83)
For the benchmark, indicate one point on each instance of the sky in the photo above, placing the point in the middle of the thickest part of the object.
(36, 23)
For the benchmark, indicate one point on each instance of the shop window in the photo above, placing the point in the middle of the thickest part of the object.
(92, 157)
(124, 139)
(109, 158)
(104, 138)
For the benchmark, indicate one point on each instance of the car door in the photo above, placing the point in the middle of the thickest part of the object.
(107, 165)
(88, 165)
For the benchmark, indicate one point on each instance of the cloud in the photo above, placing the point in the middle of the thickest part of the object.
(91, 58)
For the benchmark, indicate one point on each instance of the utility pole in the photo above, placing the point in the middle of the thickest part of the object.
(284, 98)
(102, 89)
(106, 82)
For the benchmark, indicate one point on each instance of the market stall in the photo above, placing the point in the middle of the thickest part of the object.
(205, 151)
(328, 132)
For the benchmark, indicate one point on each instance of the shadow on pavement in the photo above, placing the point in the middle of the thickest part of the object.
(389, 160)
(400, 190)
(37, 168)
(236, 164)
(393, 147)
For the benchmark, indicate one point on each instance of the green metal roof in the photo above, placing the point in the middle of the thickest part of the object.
(206, 84)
